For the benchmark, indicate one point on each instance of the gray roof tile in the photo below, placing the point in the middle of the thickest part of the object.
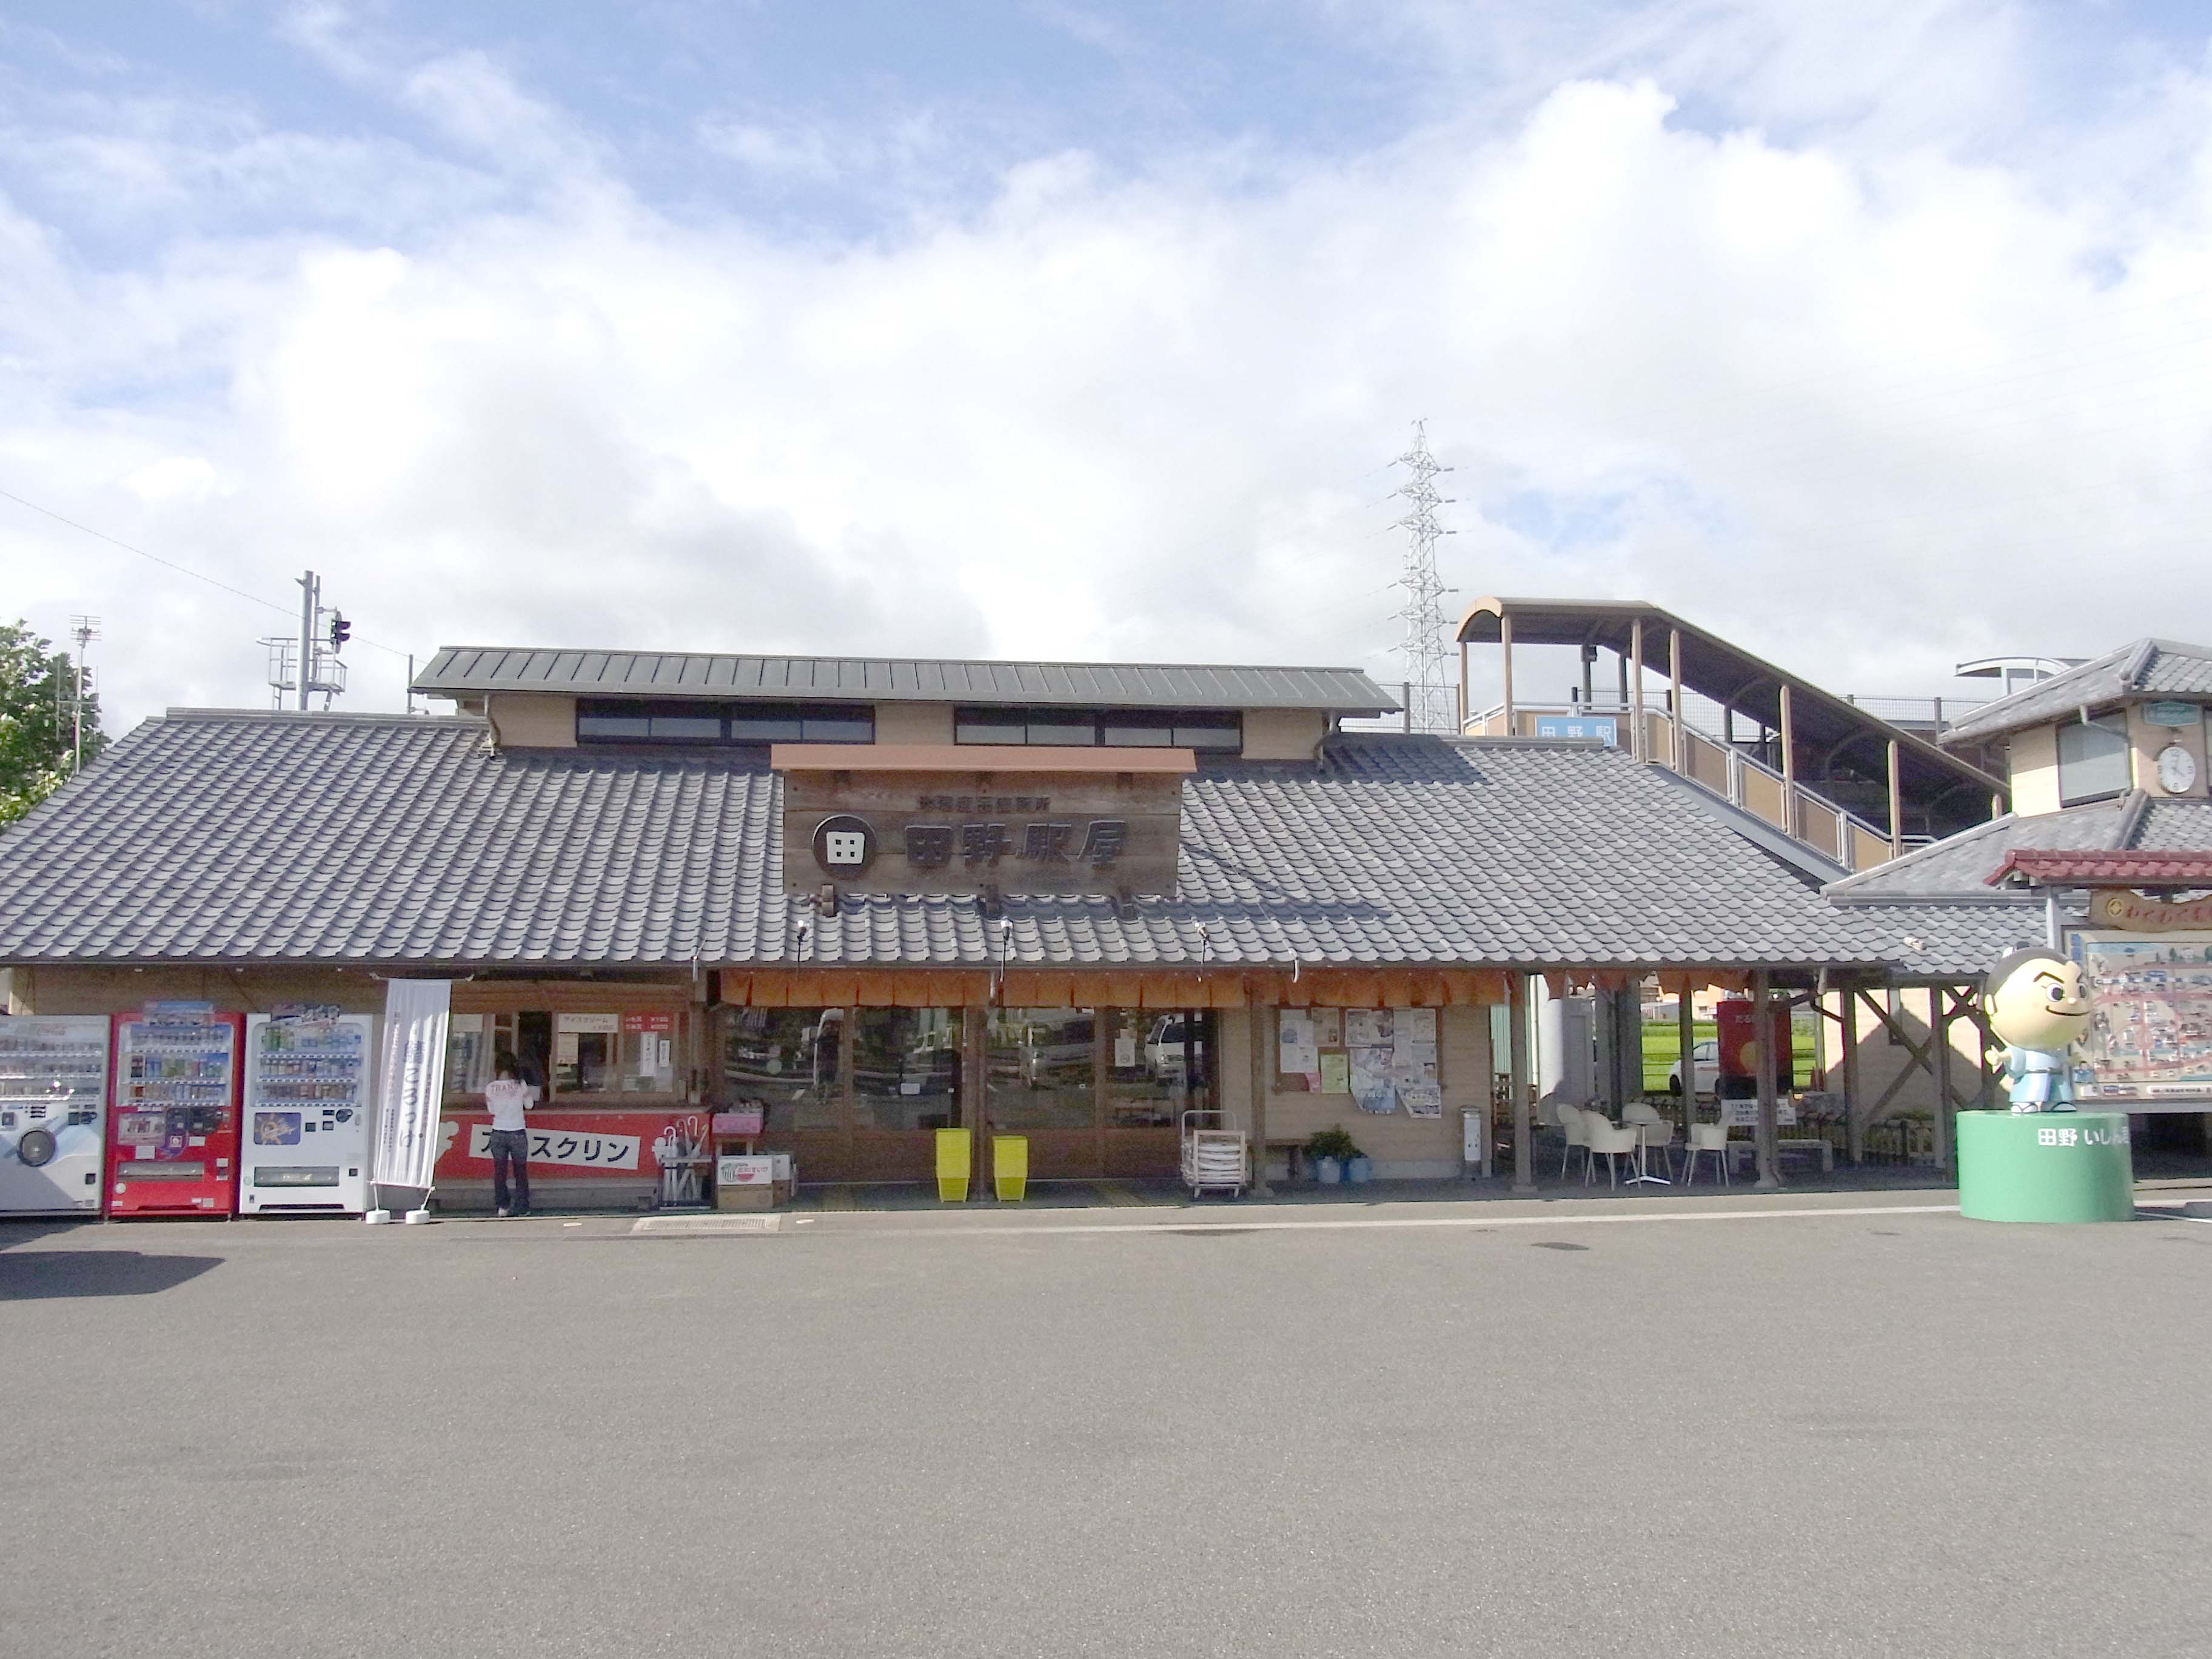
(248, 836)
(473, 670)
(2149, 667)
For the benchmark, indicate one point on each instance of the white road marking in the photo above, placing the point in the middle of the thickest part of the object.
(707, 1223)
(1149, 1229)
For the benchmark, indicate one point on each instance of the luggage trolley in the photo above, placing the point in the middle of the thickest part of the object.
(1214, 1158)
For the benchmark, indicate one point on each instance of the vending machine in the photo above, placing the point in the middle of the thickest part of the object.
(53, 1100)
(306, 1148)
(173, 1127)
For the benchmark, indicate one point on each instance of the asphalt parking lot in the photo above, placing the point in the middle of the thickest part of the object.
(1873, 1428)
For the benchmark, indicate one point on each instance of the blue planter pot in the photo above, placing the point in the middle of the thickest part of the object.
(1328, 1171)
(1359, 1170)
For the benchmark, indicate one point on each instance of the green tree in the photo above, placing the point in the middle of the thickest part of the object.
(38, 719)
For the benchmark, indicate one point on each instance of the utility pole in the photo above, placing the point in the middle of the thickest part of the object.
(1429, 700)
(310, 595)
(84, 631)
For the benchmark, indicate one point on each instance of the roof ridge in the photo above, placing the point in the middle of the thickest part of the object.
(2138, 664)
(2133, 810)
(889, 661)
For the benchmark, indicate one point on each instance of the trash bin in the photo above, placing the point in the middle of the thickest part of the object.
(953, 1152)
(2045, 1166)
(1010, 1167)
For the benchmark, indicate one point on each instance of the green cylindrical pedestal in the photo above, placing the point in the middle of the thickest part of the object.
(2045, 1166)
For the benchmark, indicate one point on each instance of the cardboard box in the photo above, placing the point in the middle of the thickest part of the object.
(744, 1198)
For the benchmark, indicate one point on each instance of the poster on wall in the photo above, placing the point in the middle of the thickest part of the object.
(1372, 1086)
(1297, 1052)
(1327, 1027)
(1366, 1028)
(2149, 1041)
(1336, 1074)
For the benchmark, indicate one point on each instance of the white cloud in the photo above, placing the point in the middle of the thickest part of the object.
(1871, 399)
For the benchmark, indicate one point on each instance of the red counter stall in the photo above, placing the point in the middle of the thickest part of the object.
(617, 1124)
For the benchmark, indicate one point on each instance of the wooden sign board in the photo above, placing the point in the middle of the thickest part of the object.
(1094, 834)
(2115, 907)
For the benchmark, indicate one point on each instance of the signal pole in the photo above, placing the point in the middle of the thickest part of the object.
(84, 631)
(310, 595)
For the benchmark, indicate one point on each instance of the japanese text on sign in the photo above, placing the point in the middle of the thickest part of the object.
(574, 1149)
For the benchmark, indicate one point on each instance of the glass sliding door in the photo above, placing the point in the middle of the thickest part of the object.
(1042, 1065)
(906, 1085)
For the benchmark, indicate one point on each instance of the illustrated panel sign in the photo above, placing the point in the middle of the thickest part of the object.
(2149, 1040)
(931, 833)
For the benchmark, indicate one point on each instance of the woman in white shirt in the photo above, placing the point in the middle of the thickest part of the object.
(509, 1098)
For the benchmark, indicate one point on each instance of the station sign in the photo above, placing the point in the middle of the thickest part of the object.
(1098, 832)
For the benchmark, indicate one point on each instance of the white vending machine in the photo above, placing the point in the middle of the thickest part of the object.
(53, 1100)
(305, 1147)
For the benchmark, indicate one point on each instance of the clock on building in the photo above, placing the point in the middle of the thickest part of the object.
(2176, 769)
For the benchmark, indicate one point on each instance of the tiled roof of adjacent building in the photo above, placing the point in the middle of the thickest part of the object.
(473, 670)
(2134, 867)
(1960, 868)
(215, 837)
(2149, 667)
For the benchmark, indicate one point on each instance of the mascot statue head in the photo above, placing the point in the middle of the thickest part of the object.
(2035, 1000)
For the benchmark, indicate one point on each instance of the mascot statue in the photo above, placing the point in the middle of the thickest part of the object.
(2037, 1007)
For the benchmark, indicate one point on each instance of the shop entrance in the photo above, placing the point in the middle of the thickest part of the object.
(858, 1094)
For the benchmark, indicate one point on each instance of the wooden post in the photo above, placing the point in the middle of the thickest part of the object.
(1790, 814)
(1938, 1019)
(1674, 747)
(1640, 747)
(1262, 1039)
(1524, 1158)
(1896, 807)
(1769, 1175)
(1854, 1123)
(1685, 1025)
(975, 1062)
(1505, 669)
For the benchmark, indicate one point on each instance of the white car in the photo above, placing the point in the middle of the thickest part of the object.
(1705, 1060)
(1164, 1055)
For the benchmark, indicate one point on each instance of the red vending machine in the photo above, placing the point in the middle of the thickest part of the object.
(172, 1129)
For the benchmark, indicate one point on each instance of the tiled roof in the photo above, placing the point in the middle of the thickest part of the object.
(2149, 668)
(1962, 867)
(474, 669)
(251, 837)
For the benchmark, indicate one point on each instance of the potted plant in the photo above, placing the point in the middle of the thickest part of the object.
(1359, 1167)
(1328, 1151)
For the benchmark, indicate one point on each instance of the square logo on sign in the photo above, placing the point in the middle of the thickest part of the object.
(846, 848)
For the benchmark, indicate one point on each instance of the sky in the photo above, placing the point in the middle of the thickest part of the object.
(1873, 337)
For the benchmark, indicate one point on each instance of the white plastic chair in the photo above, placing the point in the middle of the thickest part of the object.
(1706, 1137)
(1574, 1123)
(1608, 1143)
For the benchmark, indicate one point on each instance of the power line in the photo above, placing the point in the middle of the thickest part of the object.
(182, 570)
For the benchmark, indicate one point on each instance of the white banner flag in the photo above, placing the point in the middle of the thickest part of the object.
(416, 1014)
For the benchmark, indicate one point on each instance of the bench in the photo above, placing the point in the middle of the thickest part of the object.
(1749, 1149)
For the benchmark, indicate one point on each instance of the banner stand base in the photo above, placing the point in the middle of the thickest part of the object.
(417, 1218)
(378, 1217)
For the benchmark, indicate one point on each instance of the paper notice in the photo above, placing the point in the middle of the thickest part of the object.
(1327, 1028)
(1125, 1051)
(1370, 1080)
(1336, 1074)
(1366, 1028)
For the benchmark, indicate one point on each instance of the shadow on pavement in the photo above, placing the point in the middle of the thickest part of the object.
(45, 1275)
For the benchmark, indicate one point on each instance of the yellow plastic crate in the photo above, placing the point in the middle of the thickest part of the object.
(955, 1157)
(1010, 1167)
